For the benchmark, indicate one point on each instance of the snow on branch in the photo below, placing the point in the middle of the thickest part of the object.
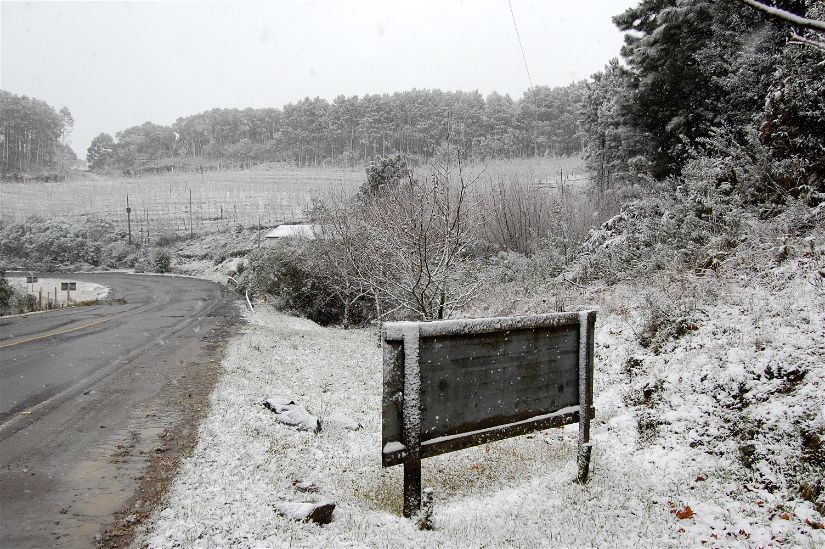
(797, 39)
(788, 17)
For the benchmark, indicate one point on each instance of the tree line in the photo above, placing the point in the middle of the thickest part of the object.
(33, 136)
(349, 130)
(719, 79)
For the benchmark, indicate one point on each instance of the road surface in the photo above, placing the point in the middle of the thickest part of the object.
(89, 397)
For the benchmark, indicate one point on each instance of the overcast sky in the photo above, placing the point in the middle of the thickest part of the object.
(115, 65)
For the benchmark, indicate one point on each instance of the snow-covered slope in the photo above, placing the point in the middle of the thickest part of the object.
(667, 468)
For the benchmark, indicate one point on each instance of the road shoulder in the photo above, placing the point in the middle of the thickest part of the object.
(188, 401)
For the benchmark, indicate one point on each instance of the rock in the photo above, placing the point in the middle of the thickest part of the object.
(305, 486)
(343, 421)
(320, 512)
(292, 414)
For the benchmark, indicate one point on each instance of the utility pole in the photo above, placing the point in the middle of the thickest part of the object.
(190, 213)
(129, 218)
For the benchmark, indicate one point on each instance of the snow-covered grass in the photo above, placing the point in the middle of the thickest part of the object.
(667, 467)
(86, 291)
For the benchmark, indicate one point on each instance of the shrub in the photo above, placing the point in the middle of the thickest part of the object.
(384, 173)
(167, 239)
(162, 260)
(676, 224)
(296, 274)
(669, 314)
(6, 294)
(406, 247)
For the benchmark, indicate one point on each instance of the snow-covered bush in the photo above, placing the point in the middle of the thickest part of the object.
(162, 260)
(6, 294)
(302, 280)
(167, 239)
(677, 224)
(48, 244)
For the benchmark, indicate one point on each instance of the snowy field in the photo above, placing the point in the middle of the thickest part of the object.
(683, 487)
(224, 199)
(86, 291)
(161, 203)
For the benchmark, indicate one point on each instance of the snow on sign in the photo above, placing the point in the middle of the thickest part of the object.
(453, 384)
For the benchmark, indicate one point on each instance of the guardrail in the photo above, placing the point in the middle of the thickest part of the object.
(236, 284)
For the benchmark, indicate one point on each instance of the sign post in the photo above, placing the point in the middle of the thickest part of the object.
(68, 286)
(454, 384)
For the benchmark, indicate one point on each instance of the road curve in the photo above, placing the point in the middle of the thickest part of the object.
(85, 394)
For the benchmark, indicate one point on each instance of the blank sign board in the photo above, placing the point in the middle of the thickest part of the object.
(453, 384)
(471, 382)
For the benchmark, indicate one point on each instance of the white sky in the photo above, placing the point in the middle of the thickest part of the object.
(115, 65)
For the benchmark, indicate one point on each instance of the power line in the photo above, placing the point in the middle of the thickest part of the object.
(520, 45)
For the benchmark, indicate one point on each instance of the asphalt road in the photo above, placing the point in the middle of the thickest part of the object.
(86, 393)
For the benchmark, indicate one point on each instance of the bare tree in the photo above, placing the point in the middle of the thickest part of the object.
(406, 245)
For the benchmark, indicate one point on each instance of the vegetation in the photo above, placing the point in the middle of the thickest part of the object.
(354, 129)
(294, 275)
(162, 260)
(383, 174)
(6, 294)
(706, 147)
(32, 136)
(712, 79)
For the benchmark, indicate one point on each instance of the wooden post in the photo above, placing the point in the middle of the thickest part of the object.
(586, 336)
(129, 219)
(412, 424)
(259, 232)
(40, 299)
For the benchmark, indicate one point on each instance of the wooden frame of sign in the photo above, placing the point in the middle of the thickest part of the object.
(453, 384)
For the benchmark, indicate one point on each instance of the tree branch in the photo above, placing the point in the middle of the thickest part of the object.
(786, 16)
(801, 40)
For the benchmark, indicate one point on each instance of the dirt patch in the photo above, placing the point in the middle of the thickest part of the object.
(189, 398)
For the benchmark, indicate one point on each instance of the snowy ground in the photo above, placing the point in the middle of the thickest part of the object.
(680, 483)
(86, 291)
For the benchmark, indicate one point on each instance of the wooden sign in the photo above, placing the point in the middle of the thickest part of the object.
(31, 279)
(68, 285)
(453, 384)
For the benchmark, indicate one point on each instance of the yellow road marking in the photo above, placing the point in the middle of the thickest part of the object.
(57, 332)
